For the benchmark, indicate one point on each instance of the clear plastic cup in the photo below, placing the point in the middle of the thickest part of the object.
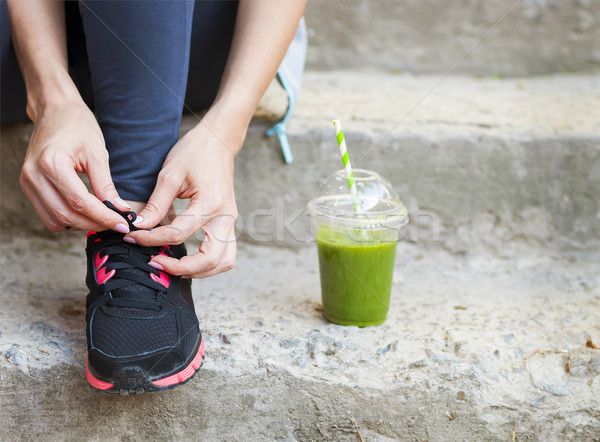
(357, 249)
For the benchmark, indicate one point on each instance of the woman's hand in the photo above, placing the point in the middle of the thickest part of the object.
(66, 140)
(199, 167)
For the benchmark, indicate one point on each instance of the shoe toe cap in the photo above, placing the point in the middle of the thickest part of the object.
(142, 368)
(123, 337)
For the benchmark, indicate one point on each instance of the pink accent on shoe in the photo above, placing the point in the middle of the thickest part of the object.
(96, 383)
(100, 262)
(102, 276)
(184, 374)
(163, 279)
(91, 232)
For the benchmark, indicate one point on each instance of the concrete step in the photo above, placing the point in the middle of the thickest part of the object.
(485, 37)
(478, 162)
(475, 347)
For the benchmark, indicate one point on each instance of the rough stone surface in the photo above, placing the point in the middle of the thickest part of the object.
(475, 347)
(475, 160)
(487, 37)
(584, 362)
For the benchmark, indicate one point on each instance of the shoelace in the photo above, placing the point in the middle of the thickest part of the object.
(124, 271)
(129, 216)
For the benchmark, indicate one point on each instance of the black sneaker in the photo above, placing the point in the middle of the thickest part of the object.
(142, 330)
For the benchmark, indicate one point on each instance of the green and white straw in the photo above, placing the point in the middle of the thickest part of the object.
(347, 166)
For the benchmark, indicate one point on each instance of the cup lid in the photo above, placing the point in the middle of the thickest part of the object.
(379, 205)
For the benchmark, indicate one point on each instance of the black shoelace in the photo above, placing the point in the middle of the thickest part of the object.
(131, 286)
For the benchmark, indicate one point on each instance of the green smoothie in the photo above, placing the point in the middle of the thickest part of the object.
(356, 275)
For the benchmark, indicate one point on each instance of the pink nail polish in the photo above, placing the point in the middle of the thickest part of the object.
(122, 203)
(138, 220)
(129, 240)
(156, 265)
(122, 228)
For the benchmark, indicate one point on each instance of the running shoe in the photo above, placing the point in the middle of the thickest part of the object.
(142, 330)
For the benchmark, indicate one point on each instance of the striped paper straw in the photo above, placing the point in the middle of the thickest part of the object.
(347, 166)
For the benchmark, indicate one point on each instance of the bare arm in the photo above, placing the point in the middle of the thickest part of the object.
(263, 32)
(40, 41)
(66, 138)
(200, 165)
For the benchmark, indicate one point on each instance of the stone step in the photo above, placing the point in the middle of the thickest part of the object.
(484, 37)
(476, 347)
(478, 162)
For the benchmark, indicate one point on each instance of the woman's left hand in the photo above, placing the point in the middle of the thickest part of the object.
(199, 167)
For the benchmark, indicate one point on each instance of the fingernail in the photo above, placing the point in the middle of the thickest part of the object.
(139, 219)
(129, 240)
(122, 228)
(122, 202)
(156, 265)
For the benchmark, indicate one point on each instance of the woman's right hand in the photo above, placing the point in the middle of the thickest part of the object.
(66, 140)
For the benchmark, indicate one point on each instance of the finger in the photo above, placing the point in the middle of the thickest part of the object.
(226, 263)
(49, 221)
(72, 189)
(103, 186)
(56, 206)
(182, 227)
(217, 254)
(165, 192)
(199, 265)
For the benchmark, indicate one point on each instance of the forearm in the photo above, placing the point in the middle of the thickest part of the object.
(263, 32)
(39, 38)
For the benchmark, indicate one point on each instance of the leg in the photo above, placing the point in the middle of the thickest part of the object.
(13, 95)
(138, 55)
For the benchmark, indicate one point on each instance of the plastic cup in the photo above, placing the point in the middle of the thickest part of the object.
(357, 249)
